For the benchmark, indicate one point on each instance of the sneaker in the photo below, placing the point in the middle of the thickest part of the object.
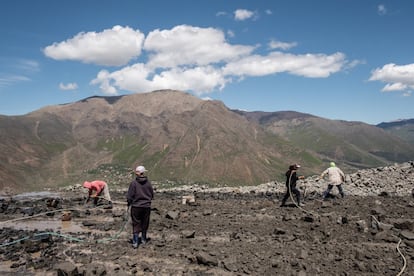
(135, 241)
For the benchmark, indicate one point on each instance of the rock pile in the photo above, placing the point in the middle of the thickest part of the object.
(397, 180)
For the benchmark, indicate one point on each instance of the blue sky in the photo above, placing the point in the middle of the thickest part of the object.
(350, 60)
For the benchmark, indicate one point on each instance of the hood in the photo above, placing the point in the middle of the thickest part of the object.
(142, 179)
(289, 172)
(87, 184)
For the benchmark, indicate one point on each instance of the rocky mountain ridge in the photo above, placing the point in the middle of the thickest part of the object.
(402, 128)
(182, 139)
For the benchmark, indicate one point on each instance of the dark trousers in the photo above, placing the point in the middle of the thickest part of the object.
(293, 190)
(330, 186)
(140, 219)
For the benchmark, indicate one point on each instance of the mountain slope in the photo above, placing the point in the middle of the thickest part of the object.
(175, 135)
(355, 144)
(403, 129)
(180, 138)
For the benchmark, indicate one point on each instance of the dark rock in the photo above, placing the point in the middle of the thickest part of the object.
(403, 224)
(3, 207)
(188, 234)
(409, 243)
(362, 226)
(384, 194)
(52, 202)
(206, 259)
(207, 212)
(309, 218)
(386, 236)
(172, 215)
(342, 220)
(107, 226)
(230, 264)
(408, 235)
(279, 231)
(89, 223)
(28, 211)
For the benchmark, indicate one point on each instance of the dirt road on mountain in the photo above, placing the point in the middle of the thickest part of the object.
(219, 234)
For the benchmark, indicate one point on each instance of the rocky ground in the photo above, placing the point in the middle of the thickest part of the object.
(229, 231)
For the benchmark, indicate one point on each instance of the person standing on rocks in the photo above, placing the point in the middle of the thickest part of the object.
(95, 189)
(336, 177)
(139, 198)
(291, 178)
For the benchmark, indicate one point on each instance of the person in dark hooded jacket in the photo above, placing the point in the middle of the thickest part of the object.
(291, 178)
(139, 197)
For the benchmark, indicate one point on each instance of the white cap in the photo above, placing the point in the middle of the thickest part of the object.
(140, 169)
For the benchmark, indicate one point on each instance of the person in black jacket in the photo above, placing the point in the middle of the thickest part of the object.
(291, 178)
(139, 197)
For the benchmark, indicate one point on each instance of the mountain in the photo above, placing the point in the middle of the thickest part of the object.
(402, 128)
(179, 138)
(354, 144)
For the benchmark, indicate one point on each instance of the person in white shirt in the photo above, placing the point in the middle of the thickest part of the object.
(336, 177)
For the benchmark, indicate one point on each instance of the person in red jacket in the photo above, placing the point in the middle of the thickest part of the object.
(97, 189)
(139, 197)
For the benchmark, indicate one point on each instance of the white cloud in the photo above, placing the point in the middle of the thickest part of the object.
(394, 87)
(104, 80)
(112, 47)
(69, 86)
(221, 13)
(131, 78)
(18, 69)
(354, 63)
(242, 14)
(6, 80)
(273, 44)
(308, 65)
(268, 12)
(185, 58)
(200, 79)
(397, 77)
(137, 78)
(188, 45)
(27, 65)
(381, 9)
(204, 79)
(407, 94)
